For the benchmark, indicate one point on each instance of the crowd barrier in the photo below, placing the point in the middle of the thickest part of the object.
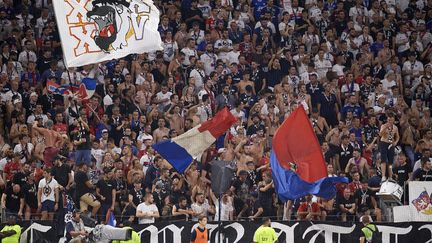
(288, 231)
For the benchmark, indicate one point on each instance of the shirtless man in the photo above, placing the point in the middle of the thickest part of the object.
(284, 97)
(360, 162)
(192, 175)
(319, 124)
(243, 155)
(175, 118)
(127, 84)
(245, 82)
(389, 134)
(161, 131)
(53, 141)
(259, 144)
(227, 153)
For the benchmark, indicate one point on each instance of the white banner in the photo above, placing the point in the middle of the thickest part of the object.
(420, 203)
(93, 31)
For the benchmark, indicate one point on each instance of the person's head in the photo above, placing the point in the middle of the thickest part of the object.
(148, 198)
(426, 163)
(266, 221)
(356, 176)
(161, 123)
(47, 173)
(199, 198)
(330, 169)
(356, 153)
(16, 188)
(11, 220)
(366, 219)
(182, 201)
(165, 172)
(250, 165)
(76, 216)
(243, 175)
(202, 220)
(391, 118)
(347, 193)
(345, 139)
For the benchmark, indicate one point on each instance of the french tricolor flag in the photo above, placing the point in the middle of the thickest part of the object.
(182, 150)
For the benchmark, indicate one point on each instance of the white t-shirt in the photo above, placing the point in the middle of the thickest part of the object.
(388, 84)
(221, 43)
(188, 53)
(48, 189)
(19, 149)
(98, 154)
(209, 62)
(3, 163)
(232, 57)
(201, 209)
(162, 96)
(338, 69)
(226, 209)
(322, 67)
(146, 209)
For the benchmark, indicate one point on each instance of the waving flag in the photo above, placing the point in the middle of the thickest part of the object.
(86, 88)
(296, 146)
(182, 150)
(83, 90)
(54, 87)
(93, 31)
(110, 219)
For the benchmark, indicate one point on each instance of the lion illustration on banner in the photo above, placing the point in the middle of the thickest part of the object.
(423, 203)
(112, 18)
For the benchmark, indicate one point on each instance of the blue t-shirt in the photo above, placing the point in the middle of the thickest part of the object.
(258, 5)
(355, 109)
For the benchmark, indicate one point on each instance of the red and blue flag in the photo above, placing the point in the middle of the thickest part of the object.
(295, 146)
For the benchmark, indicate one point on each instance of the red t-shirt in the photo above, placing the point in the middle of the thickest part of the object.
(354, 186)
(60, 127)
(11, 168)
(312, 208)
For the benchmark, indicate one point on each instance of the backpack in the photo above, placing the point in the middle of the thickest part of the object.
(376, 235)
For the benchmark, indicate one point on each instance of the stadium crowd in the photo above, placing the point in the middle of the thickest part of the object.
(361, 69)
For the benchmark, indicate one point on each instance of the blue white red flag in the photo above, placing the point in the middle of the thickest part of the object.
(182, 150)
(86, 88)
(54, 87)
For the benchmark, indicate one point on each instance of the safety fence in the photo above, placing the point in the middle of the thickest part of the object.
(288, 231)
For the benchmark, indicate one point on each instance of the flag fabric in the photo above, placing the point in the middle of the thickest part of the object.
(182, 150)
(54, 87)
(295, 142)
(295, 145)
(290, 186)
(110, 218)
(93, 31)
(86, 88)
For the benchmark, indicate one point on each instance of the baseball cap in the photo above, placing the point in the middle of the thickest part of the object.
(381, 96)
(221, 150)
(104, 130)
(243, 172)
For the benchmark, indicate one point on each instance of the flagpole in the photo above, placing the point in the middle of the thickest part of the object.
(73, 94)
(219, 217)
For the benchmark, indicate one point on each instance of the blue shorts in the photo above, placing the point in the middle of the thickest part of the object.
(48, 206)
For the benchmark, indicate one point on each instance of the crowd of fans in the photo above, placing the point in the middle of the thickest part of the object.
(361, 69)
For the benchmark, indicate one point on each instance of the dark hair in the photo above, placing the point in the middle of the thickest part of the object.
(200, 218)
